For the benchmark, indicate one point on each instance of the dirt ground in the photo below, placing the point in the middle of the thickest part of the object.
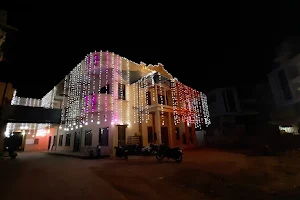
(206, 174)
(203, 174)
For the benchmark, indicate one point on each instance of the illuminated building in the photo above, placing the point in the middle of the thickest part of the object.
(109, 99)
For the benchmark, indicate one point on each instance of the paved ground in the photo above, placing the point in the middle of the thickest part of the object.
(204, 174)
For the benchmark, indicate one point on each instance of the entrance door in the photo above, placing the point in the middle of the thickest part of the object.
(122, 134)
(77, 141)
(164, 136)
(18, 140)
(49, 143)
(150, 134)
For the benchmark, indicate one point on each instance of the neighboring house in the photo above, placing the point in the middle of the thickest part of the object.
(239, 111)
(285, 85)
(108, 99)
(31, 136)
(6, 95)
(4, 28)
(230, 105)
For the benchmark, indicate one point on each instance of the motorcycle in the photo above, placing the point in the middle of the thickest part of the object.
(11, 153)
(174, 153)
(150, 150)
(121, 152)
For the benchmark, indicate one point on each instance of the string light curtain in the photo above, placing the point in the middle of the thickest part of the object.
(189, 105)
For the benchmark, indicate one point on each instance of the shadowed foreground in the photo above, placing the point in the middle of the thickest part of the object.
(204, 174)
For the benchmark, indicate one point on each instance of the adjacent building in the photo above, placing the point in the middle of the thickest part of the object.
(109, 100)
(285, 85)
(237, 112)
(6, 95)
(4, 28)
(231, 105)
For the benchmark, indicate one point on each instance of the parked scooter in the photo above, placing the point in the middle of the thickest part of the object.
(121, 152)
(12, 153)
(164, 151)
(150, 150)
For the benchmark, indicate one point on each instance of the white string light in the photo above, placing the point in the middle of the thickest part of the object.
(174, 101)
(142, 94)
(205, 109)
(139, 102)
(197, 115)
(82, 83)
(99, 88)
(161, 100)
(117, 78)
(146, 100)
(68, 112)
(112, 86)
(63, 111)
(86, 91)
(26, 104)
(72, 109)
(89, 87)
(93, 98)
(128, 91)
(134, 103)
(78, 95)
(106, 86)
(121, 83)
(31, 105)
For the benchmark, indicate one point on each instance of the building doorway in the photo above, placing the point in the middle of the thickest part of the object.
(18, 140)
(15, 141)
(164, 136)
(150, 134)
(77, 141)
(49, 143)
(121, 134)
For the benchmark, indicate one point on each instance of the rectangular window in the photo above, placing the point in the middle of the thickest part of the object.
(284, 85)
(60, 140)
(225, 101)
(36, 141)
(231, 101)
(161, 99)
(148, 96)
(68, 140)
(121, 91)
(88, 138)
(103, 136)
(105, 89)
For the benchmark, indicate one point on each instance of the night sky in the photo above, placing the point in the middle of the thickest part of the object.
(204, 47)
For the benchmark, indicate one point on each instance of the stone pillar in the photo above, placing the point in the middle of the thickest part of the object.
(165, 94)
(194, 135)
(155, 94)
(187, 134)
(171, 130)
(158, 126)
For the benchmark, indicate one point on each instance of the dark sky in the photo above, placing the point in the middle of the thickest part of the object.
(204, 46)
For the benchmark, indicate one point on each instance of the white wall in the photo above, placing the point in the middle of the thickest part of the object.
(291, 70)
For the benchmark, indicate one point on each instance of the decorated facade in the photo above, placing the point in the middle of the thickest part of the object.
(107, 99)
